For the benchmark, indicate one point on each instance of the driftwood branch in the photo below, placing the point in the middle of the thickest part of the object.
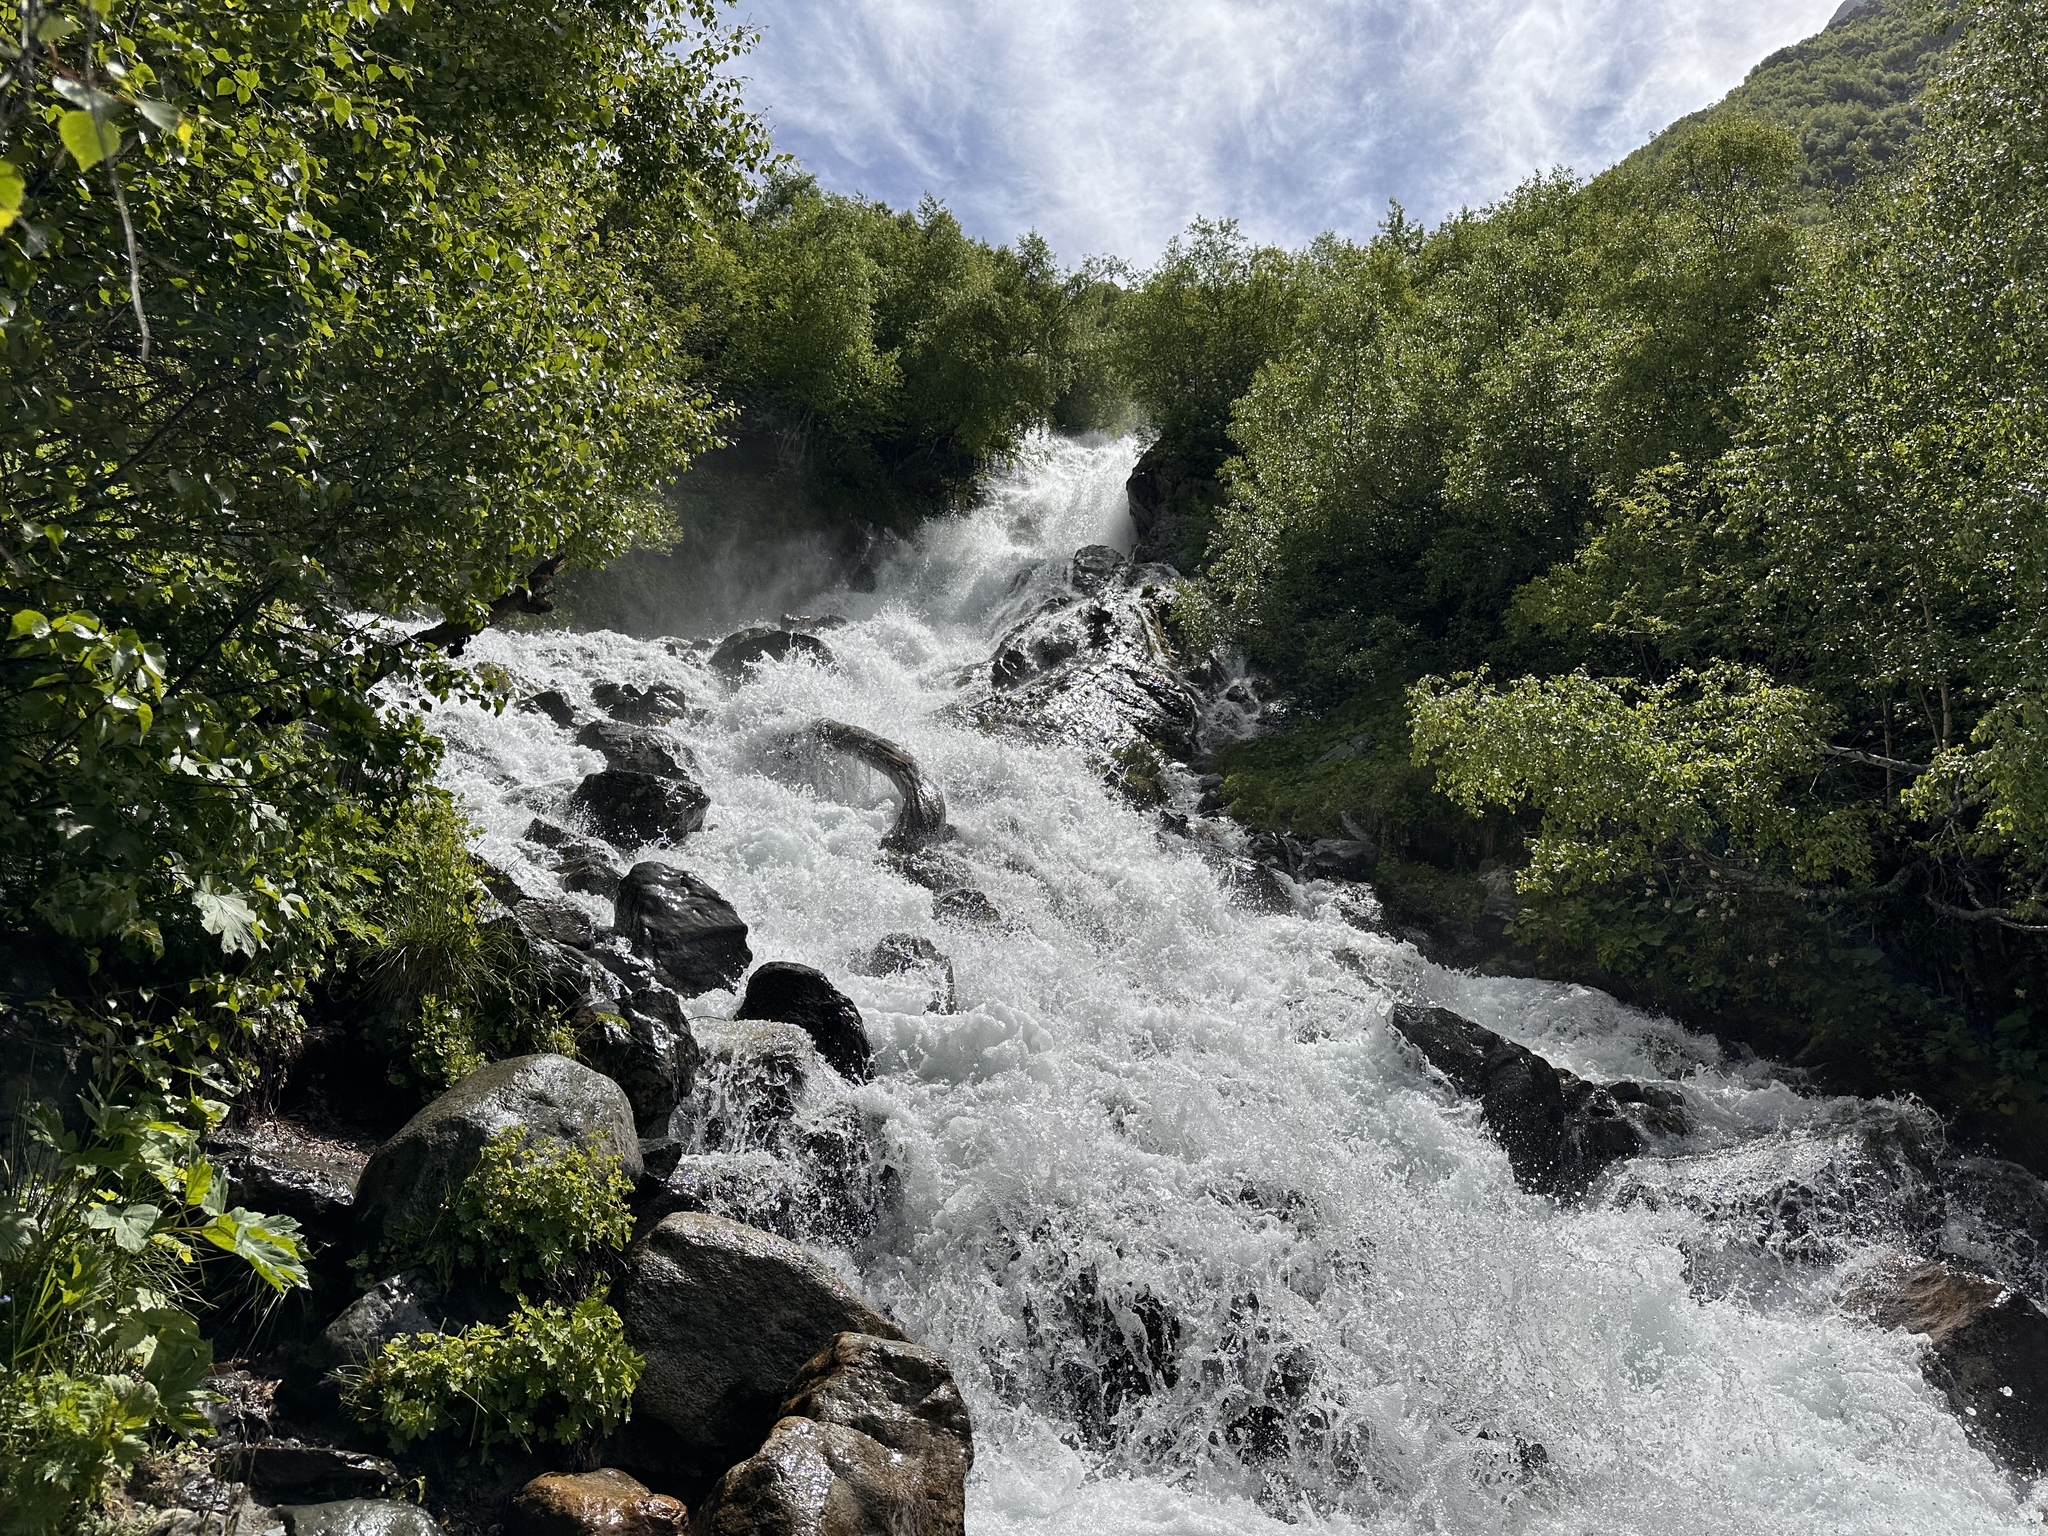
(1996, 915)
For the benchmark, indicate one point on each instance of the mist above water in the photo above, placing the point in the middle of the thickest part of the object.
(1210, 1249)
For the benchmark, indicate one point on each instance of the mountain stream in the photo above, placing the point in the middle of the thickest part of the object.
(1213, 1250)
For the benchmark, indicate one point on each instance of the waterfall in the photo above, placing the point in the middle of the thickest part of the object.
(1210, 1248)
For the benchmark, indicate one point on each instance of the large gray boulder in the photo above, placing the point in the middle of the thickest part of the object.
(638, 749)
(725, 1316)
(690, 934)
(873, 1438)
(737, 653)
(408, 1182)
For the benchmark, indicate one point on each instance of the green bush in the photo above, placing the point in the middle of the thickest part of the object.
(549, 1374)
(531, 1212)
(100, 1352)
(451, 988)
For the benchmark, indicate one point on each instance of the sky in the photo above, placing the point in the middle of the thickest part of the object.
(1107, 125)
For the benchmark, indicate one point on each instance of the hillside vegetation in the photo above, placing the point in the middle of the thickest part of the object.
(1850, 96)
(1685, 555)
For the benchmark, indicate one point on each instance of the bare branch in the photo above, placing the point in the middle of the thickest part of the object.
(1872, 760)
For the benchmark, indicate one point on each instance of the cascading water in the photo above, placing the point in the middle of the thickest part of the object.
(1210, 1248)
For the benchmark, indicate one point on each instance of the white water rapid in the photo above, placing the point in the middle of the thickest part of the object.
(1210, 1248)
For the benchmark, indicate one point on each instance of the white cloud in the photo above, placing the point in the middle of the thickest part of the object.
(1108, 124)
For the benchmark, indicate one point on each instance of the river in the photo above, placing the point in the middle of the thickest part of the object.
(1210, 1248)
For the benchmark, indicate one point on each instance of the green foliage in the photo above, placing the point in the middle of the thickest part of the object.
(1851, 96)
(100, 1238)
(442, 967)
(1186, 342)
(539, 1212)
(549, 1375)
(891, 355)
(1457, 408)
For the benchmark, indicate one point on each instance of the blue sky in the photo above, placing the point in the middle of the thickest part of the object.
(1108, 124)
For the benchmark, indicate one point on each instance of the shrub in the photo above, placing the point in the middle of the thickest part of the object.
(538, 1212)
(548, 1374)
(454, 989)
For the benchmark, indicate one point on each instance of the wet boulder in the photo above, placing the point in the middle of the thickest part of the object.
(552, 703)
(1095, 567)
(587, 867)
(764, 642)
(795, 994)
(1987, 1352)
(901, 954)
(559, 922)
(409, 1179)
(394, 1308)
(1558, 1130)
(631, 807)
(358, 1517)
(965, 905)
(687, 931)
(606, 1502)
(638, 749)
(921, 819)
(647, 1049)
(725, 1316)
(1340, 859)
(656, 704)
(873, 1437)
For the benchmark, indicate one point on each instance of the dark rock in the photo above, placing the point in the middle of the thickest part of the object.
(358, 1517)
(559, 922)
(630, 807)
(288, 1471)
(1278, 850)
(873, 1438)
(814, 623)
(392, 1309)
(1096, 567)
(602, 1503)
(1340, 859)
(795, 994)
(587, 867)
(1172, 493)
(554, 704)
(922, 817)
(278, 1168)
(685, 929)
(411, 1177)
(654, 705)
(638, 749)
(934, 867)
(725, 1316)
(901, 953)
(751, 647)
(648, 1050)
(659, 1156)
(547, 834)
(1558, 1130)
(1987, 1353)
(965, 905)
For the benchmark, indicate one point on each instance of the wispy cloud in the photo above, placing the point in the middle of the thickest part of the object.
(1108, 124)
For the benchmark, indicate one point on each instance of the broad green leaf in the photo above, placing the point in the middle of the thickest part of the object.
(229, 915)
(128, 1225)
(269, 1245)
(89, 139)
(52, 29)
(12, 190)
(161, 115)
